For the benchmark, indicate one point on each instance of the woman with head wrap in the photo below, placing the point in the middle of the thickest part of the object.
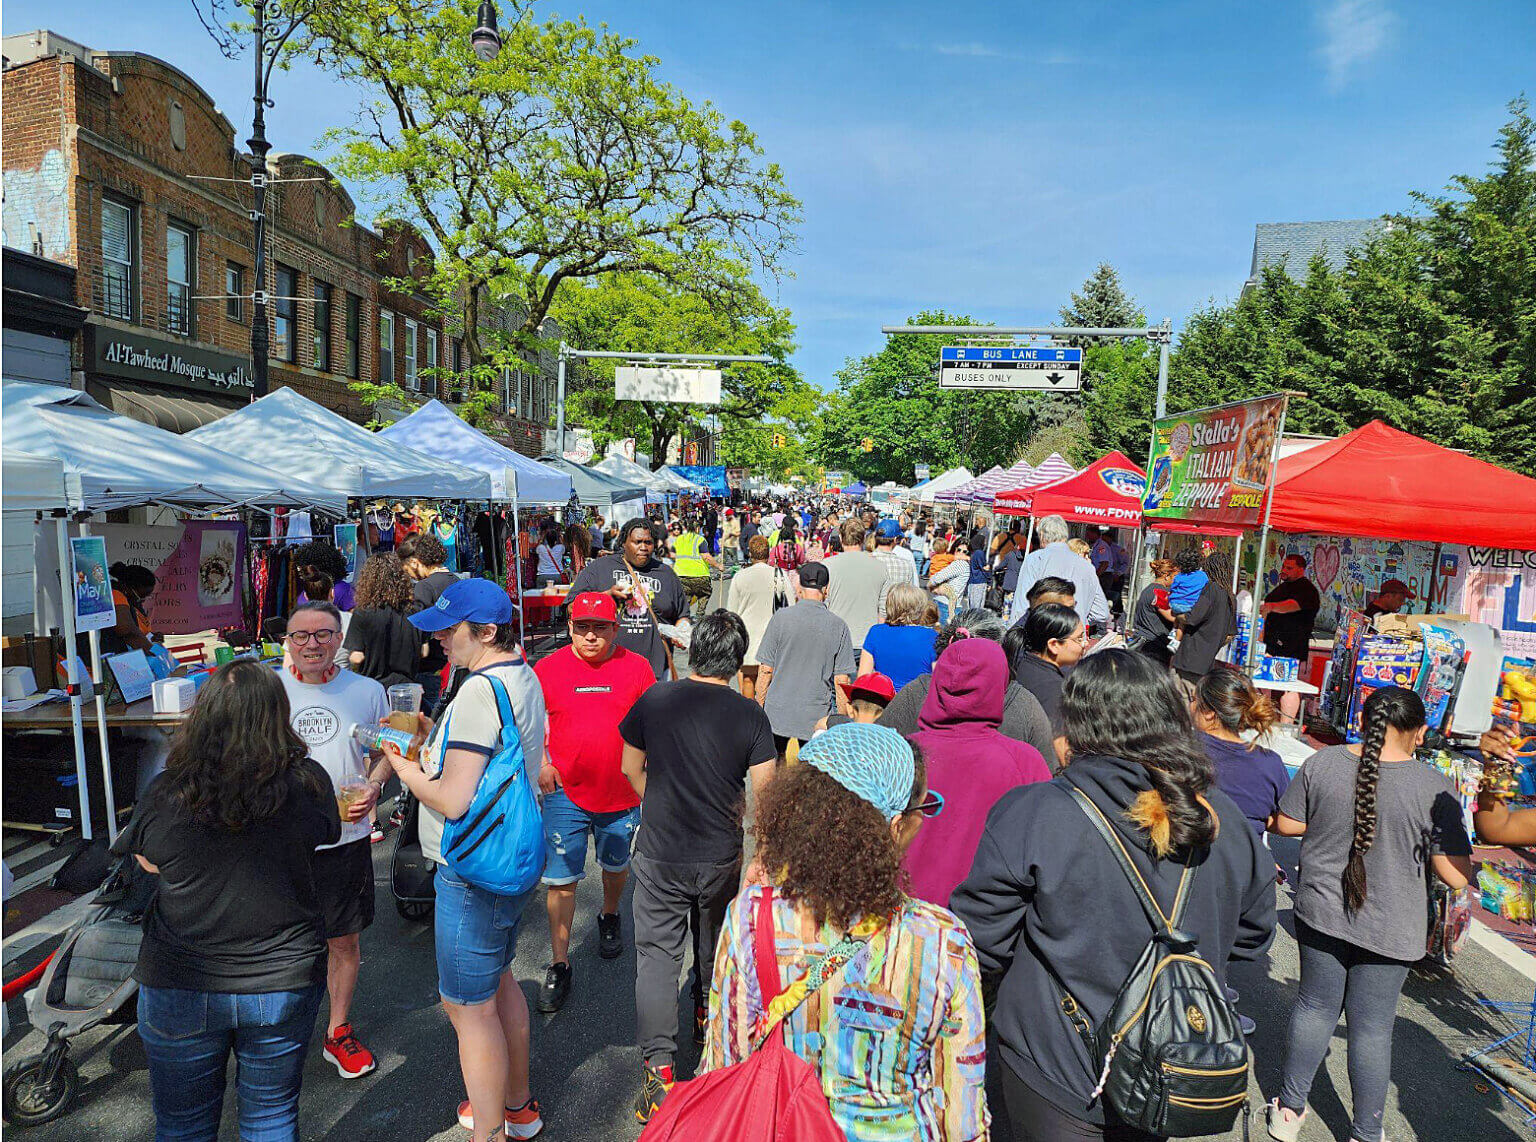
(876, 990)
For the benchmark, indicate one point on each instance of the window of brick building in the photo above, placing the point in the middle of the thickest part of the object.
(119, 253)
(410, 356)
(386, 347)
(180, 272)
(234, 291)
(354, 335)
(323, 327)
(285, 314)
(432, 360)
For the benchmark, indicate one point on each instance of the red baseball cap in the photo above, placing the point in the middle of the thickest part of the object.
(874, 684)
(594, 605)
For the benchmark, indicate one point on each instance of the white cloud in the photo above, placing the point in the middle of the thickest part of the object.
(974, 50)
(1354, 31)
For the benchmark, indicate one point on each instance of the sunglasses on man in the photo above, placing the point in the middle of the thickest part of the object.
(931, 805)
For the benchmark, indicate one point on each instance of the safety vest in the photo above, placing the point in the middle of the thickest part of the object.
(687, 547)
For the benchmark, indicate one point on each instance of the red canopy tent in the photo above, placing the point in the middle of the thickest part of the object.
(1108, 491)
(1379, 483)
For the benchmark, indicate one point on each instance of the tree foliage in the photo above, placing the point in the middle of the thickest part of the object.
(563, 160)
(1430, 326)
(633, 313)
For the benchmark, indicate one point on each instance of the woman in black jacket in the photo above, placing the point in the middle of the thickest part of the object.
(1050, 909)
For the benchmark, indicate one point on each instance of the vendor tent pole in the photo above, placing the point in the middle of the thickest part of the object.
(517, 568)
(72, 665)
(1269, 504)
(1131, 587)
(1434, 572)
(1030, 538)
(101, 723)
(1237, 562)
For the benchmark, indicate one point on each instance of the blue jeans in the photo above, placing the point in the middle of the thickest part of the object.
(188, 1036)
(566, 825)
(475, 936)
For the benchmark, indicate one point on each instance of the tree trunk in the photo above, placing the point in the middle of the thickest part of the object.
(660, 438)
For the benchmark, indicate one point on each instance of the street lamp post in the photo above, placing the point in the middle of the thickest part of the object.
(259, 148)
(486, 42)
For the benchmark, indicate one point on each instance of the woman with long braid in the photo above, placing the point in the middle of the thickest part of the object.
(1371, 818)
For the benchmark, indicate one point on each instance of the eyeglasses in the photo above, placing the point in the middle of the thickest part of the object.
(931, 805)
(302, 637)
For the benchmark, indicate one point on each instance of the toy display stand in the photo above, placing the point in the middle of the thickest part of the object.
(1512, 1075)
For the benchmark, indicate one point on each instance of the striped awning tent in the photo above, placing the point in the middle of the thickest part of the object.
(1053, 468)
(999, 480)
(961, 493)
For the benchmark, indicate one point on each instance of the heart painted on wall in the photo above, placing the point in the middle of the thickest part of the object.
(1325, 563)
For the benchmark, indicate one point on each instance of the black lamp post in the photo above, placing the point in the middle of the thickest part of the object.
(485, 39)
(486, 42)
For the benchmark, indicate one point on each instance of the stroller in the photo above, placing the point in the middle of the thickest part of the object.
(411, 875)
(88, 981)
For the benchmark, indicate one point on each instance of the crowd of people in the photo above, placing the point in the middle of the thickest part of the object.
(864, 812)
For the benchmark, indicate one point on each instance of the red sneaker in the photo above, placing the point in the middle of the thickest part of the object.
(522, 1123)
(351, 1059)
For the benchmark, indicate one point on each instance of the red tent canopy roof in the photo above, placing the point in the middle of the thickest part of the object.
(1108, 491)
(1379, 483)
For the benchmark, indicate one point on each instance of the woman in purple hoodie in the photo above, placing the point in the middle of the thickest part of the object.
(970, 764)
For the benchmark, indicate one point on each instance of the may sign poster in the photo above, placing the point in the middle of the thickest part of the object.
(94, 609)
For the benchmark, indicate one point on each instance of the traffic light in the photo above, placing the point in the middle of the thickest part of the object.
(867, 444)
(778, 440)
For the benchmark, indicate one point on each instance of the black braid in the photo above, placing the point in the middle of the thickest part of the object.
(1388, 707)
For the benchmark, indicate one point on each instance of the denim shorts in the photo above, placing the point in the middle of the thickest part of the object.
(475, 934)
(566, 825)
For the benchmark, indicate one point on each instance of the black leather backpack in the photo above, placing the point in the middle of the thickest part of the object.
(1175, 1062)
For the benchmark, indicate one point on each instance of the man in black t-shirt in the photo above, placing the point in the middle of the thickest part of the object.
(1289, 611)
(423, 556)
(689, 746)
(610, 575)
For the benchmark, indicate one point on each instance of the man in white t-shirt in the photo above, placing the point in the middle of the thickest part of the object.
(325, 701)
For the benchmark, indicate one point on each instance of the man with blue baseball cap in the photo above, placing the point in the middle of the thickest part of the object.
(900, 566)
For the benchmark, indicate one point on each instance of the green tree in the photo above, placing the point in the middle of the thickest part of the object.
(564, 159)
(1114, 408)
(1429, 326)
(893, 399)
(634, 313)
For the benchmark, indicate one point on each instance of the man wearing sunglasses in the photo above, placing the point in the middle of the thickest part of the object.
(325, 702)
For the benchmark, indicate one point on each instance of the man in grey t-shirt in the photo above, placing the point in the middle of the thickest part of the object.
(806, 651)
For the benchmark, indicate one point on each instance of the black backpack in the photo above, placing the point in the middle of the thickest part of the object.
(1175, 1062)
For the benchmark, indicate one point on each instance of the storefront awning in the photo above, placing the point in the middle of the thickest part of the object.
(150, 405)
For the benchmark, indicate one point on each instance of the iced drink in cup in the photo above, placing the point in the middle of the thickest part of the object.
(404, 705)
(348, 793)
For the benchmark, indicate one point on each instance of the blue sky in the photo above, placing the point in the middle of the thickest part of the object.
(984, 157)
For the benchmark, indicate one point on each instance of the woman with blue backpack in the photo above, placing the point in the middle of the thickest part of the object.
(480, 822)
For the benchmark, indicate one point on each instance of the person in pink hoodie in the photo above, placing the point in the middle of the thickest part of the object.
(970, 764)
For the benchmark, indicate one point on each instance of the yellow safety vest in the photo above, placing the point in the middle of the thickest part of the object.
(687, 548)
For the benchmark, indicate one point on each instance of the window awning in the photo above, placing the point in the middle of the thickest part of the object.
(173, 412)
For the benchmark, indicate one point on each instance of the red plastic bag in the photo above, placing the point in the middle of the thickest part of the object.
(771, 1096)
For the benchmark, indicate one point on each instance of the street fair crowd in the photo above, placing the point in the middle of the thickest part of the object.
(856, 765)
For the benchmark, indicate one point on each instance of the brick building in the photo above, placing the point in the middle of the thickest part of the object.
(119, 165)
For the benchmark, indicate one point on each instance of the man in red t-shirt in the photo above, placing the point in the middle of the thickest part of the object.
(588, 688)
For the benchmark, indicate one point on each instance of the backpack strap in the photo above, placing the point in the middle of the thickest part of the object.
(1160, 920)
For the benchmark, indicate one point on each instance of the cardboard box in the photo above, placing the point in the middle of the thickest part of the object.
(36, 653)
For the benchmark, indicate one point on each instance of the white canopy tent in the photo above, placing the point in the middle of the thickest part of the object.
(107, 461)
(680, 483)
(113, 461)
(633, 473)
(293, 433)
(434, 428)
(941, 483)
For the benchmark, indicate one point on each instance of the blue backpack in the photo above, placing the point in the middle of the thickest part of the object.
(498, 844)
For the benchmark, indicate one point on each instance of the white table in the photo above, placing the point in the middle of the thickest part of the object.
(1295, 687)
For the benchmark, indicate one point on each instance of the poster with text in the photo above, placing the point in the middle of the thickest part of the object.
(199, 567)
(1214, 465)
(346, 543)
(94, 609)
